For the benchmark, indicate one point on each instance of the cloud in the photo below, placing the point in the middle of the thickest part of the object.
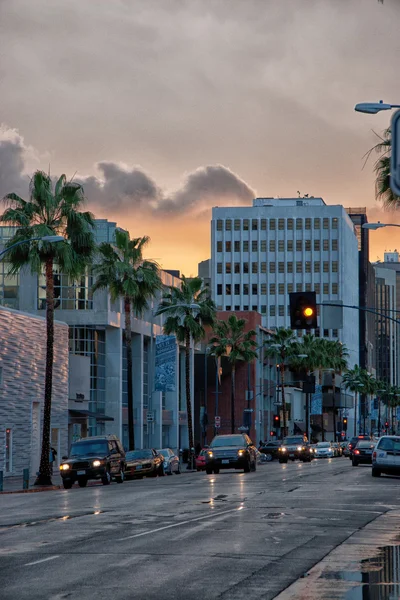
(12, 162)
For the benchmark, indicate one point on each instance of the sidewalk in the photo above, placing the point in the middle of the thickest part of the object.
(13, 485)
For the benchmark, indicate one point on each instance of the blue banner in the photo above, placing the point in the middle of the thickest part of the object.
(165, 367)
(316, 401)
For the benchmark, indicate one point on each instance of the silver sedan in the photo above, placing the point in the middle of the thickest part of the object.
(171, 461)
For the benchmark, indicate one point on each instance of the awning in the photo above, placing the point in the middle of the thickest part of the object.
(299, 427)
(85, 414)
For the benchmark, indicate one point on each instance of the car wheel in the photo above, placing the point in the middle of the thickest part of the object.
(209, 471)
(161, 471)
(198, 469)
(268, 457)
(67, 485)
(121, 477)
(283, 461)
(216, 471)
(375, 472)
(106, 479)
(82, 482)
(247, 467)
(354, 463)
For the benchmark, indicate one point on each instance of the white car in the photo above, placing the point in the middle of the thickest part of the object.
(323, 450)
(386, 456)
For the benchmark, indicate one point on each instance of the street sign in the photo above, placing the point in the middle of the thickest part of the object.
(277, 403)
(217, 422)
(150, 416)
(243, 428)
(395, 154)
(248, 410)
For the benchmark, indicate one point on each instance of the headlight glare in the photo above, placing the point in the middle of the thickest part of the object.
(210, 454)
(240, 452)
(96, 463)
(282, 449)
(299, 448)
(64, 467)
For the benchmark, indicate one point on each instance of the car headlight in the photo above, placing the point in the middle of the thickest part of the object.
(96, 463)
(311, 450)
(299, 448)
(64, 467)
(282, 449)
(240, 452)
(210, 454)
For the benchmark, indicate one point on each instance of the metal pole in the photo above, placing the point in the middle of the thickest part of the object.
(379, 416)
(205, 398)
(216, 392)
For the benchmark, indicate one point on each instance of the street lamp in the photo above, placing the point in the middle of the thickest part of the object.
(378, 225)
(45, 238)
(372, 108)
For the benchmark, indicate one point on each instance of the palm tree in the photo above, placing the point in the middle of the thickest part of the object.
(230, 339)
(123, 270)
(383, 191)
(52, 209)
(281, 345)
(353, 381)
(187, 309)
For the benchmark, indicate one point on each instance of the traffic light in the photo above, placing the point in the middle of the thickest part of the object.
(303, 310)
(345, 424)
(272, 433)
(386, 425)
(277, 421)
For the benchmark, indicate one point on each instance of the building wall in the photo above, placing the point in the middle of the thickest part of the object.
(22, 365)
(386, 330)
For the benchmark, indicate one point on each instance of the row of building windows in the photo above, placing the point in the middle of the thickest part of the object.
(272, 224)
(299, 266)
(255, 246)
(237, 289)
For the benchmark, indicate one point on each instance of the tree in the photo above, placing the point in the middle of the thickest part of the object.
(353, 381)
(52, 209)
(383, 191)
(281, 345)
(188, 309)
(231, 340)
(123, 270)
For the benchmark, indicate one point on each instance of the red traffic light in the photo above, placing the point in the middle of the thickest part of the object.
(272, 433)
(386, 424)
(276, 419)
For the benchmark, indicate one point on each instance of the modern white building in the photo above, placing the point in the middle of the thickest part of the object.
(263, 252)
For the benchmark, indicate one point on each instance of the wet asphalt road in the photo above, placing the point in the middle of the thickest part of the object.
(187, 537)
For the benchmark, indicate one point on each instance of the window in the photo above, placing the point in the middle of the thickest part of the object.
(308, 266)
(263, 267)
(263, 245)
(245, 224)
(228, 289)
(228, 246)
(308, 245)
(254, 307)
(325, 224)
(272, 289)
(299, 245)
(272, 267)
(334, 266)
(219, 289)
(334, 223)
(68, 294)
(272, 245)
(326, 244)
(236, 246)
(326, 266)
(308, 287)
(281, 267)
(272, 310)
(326, 289)
(254, 224)
(228, 307)
(335, 333)
(317, 288)
(290, 288)
(245, 289)
(299, 266)
(219, 246)
(281, 224)
(289, 267)
(245, 307)
(335, 289)
(281, 310)
(317, 223)
(219, 267)
(326, 332)
(317, 267)
(281, 246)
(236, 224)
(317, 245)
(272, 224)
(237, 289)
(254, 289)
(8, 453)
(316, 332)
(334, 244)
(290, 245)
(308, 224)
(228, 225)
(254, 246)
(281, 288)
(299, 287)
(237, 267)
(245, 267)
(254, 267)
(237, 306)
(289, 224)
(245, 246)
(228, 268)
(263, 289)
(219, 224)
(263, 309)
(263, 224)
(299, 224)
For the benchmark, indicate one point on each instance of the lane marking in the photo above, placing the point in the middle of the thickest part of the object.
(136, 535)
(36, 562)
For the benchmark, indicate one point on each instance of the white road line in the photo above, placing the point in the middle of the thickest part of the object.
(374, 512)
(36, 562)
(136, 535)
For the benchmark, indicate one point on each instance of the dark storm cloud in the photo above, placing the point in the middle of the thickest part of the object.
(12, 150)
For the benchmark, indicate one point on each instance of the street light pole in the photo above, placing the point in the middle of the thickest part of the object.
(46, 238)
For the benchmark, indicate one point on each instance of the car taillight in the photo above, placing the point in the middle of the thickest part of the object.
(374, 455)
(350, 446)
(356, 452)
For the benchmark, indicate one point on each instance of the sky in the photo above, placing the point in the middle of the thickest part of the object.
(165, 108)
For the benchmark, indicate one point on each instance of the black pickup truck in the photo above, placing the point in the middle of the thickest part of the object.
(295, 448)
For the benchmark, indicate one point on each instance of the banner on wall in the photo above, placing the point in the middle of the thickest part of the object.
(316, 401)
(165, 367)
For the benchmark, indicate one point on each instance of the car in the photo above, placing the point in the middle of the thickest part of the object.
(98, 457)
(362, 453)
(354, 441)
(201, 460)
(345, 449)
(143, 463)
(171, 461)
(324, 450)
(337, 448)
(270, 450)
(386, 456)
(235, 451)
(293, 448)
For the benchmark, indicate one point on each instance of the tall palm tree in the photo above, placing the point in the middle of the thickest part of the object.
(353, 381)
(188, 309)
(281, 345)
(230, 339)
(52, 209)
(123, 270)
(383, 191)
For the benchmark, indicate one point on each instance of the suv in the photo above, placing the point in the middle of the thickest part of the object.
(270, 449)
(100, 457)
(235, 451)
(386, 456)
(354, 441)
(294, 447)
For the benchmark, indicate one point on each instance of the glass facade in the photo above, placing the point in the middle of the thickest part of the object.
(9, 287)
(68, 294)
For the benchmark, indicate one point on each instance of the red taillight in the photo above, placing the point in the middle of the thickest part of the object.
(356, 452)
(374, 455)
(350, 446)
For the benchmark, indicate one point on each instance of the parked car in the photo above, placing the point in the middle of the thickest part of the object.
(386, 456)
(143, 463)
(235, 451)
(171, 461)
(294, 448)
(354, 441)
(99, 457)
(362, 453)
(270, 450)
(324, 450)
(201, 460)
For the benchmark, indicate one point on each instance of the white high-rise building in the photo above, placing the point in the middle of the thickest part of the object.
(263, 252)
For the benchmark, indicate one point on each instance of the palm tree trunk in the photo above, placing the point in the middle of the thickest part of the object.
(188, 402)
(233, 398)
(282, 369)
(128, 342)
(44, 476)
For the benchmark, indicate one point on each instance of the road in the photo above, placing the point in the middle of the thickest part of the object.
(187, 537)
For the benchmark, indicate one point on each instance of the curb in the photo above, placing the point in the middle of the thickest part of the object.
(33, 491)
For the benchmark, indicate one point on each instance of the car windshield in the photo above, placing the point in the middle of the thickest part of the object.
(365, 445)
(138, 454)
(89, 449)
(228, 440)
(203, 453)
(293, 440)
(323, 445)
(389, 444)
(164, 452)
